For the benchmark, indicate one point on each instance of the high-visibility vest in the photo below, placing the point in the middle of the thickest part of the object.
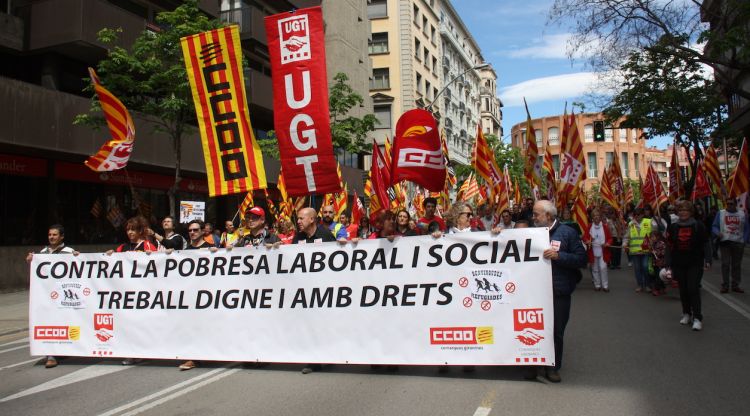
(637, 235)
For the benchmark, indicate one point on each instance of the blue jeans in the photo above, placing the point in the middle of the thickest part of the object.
(640, 266)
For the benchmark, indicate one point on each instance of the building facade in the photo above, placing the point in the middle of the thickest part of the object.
(625, 144)
(46, 47)
(422, 57)
(491, 106)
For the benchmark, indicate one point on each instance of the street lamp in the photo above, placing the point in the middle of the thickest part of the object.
(434, 99)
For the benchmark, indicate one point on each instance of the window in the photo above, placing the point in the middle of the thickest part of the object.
(432, 34)
(624, 165)
(608, 133)
(434, 92)
(419, 83)
(588, 133)
(592, 165)
(416, 15)
(381, 79)
(383, 114)
(377, 9)
(539, 138)
(623, 133)
(417, 49)
(608, 157)
(424, 25)
(553, 135)
(428, 89)
(426, 54)
(434, 65)
(379, 43)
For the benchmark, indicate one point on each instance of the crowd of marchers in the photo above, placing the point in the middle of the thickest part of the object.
(666, 248)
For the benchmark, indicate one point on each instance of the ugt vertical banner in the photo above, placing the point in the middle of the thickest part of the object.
(296, 45)
(234, 163)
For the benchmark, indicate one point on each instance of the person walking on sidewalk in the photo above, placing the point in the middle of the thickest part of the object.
(56, 239)
(689, 254)
(732, 230)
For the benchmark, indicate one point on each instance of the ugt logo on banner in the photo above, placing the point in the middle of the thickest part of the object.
(296, 46)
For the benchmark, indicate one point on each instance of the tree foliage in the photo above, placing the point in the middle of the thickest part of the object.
(608, 31)
(150, 78)
(505, 155)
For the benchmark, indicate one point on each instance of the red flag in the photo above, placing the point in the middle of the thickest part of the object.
(740, 179)
(379, 175)
(675, 183)
(700, 187)
(483, 161)
(358, 210)
(417, 152)
(296, 46)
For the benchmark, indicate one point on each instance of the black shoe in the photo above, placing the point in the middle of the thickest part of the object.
(553, 375)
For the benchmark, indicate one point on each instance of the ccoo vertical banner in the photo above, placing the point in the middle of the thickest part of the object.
(296, 46)
(234, 163)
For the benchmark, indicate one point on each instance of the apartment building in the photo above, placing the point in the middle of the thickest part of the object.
(423, 56)
(46, 46)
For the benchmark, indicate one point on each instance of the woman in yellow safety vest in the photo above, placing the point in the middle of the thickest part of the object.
(638, 229)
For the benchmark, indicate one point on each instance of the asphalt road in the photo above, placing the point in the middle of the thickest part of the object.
(625, 354)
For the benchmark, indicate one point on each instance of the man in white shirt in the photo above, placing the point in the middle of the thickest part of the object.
(732, 229)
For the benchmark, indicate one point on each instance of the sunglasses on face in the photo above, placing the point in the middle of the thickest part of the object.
(194, 230)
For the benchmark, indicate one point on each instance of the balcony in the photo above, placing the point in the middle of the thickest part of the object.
(66, 24)
(11, 32)
(259, 89)
(240, 16)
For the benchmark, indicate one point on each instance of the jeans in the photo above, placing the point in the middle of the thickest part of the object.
(640, 267)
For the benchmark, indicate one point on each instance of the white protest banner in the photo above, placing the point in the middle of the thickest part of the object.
(463, 299)
(192, 210)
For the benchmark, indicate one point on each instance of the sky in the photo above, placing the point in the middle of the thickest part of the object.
(529, 57)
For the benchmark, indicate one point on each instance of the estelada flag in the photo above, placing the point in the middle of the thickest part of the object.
(417, 152)
(234, 163)
(116, 152)
(296, 46)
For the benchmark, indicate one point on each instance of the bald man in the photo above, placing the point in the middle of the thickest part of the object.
(308, 230)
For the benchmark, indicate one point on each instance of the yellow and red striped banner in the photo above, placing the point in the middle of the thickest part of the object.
(116, 152)
(234, 163)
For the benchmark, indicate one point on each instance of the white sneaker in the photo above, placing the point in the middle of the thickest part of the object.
(685, 319)
(697, 325)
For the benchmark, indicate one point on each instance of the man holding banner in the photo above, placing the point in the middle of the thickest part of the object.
(568, 255)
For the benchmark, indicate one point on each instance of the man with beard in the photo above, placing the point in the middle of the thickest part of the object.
(567, 254)
(337, 229)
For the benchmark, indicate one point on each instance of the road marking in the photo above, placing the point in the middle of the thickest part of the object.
(21, 363)
(15, 342)
(482, 411)
(13, 349)
(83, 374)
(737, 306)
(211, 376)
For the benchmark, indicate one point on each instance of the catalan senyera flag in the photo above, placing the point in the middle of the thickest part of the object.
(549, 174)
(285, 205)
(606, 191)
(116, 152)
(580, 216)
(234, 163)
(485, 165)
(572, 169)
(711, 165)
(532, 152)
(246, 204)
(450, 173)
(675, 182)
(740, 179)
(653, 190)
(629, 194)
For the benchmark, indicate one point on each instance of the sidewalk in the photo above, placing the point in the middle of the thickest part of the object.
(14, 312)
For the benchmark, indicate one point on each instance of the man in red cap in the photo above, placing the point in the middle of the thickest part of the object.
(257, 233)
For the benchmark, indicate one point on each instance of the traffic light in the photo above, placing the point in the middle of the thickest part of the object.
(598, 131)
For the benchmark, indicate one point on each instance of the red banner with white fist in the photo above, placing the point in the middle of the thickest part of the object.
(298, 64)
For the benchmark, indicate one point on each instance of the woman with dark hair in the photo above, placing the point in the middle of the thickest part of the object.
(402, 224)
(689, 254)
(385, 226)
(137, 230)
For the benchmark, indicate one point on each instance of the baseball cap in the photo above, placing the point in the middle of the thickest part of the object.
(256, 211)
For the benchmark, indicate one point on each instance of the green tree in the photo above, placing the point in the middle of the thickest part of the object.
(150, 78)
(666, 95)
(347, 132)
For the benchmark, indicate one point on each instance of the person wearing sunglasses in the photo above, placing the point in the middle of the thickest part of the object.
(460, 216)
(195, 235)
